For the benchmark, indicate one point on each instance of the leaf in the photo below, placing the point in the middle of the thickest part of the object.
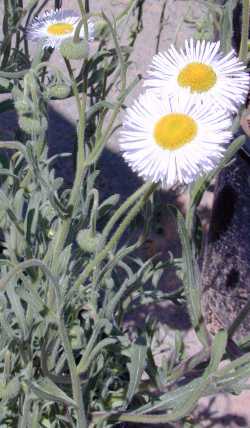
(47, 390)
(32, 298)
(31, 218)
(110, 201)
(136, 366)
(5, 85)
(97, 107)
(217, 352)
(10, 390)
(17, 308)
(226, 28)
(191, 283)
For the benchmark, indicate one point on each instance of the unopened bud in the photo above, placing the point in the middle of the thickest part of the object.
(22, 106)
(4, 83)
(59, 91)
(86, 241)
(71, 50)
(31, 125)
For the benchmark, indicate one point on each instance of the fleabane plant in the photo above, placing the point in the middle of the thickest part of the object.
(52, 28)
(173, 141)
(71, 269)
(214, 79)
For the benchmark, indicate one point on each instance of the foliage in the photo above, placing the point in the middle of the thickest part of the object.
(70, 275)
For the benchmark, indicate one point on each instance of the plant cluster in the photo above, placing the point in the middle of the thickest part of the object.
(70, 268)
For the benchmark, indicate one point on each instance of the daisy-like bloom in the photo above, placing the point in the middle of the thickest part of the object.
(171, 141)
(55, 26)
(209, 74)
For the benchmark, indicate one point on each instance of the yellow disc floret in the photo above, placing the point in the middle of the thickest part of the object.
(60, 29)
(197, 76)
(174, 130)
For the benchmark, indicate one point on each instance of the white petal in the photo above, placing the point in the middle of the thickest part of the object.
(170, 167)
(230, 89)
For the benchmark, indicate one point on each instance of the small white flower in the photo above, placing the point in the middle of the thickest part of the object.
(209, 74)
(55, 26)
(172, 140)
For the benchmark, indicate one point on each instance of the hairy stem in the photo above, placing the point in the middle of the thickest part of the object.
(244, 30)
(117, 235)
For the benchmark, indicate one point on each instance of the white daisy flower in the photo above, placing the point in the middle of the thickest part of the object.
(209, 74)
(172, 140)
(55, 26)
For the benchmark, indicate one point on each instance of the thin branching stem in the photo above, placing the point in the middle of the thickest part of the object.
(244, 30)
(117, 235)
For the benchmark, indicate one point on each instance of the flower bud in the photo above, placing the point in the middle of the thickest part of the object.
(71, 50)
(31, 125)
(22, 106)
(5, 84)
(86, 241)
(59, 91)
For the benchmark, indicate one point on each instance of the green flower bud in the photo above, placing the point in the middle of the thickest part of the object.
(22, 106)
(86, 241)
(71, 50)
(4, 83)
(59, 91)
(31, 125)
(100, 27)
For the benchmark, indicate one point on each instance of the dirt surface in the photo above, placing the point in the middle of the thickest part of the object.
(163, 22)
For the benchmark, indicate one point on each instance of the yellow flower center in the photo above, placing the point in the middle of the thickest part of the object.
(175, 130)
(60, 29)
(197, 76)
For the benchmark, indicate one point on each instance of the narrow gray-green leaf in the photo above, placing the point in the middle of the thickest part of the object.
(217, 352)
(136, 366)
(192, 283)
(10, 390)
(48, 390)
(226, 28)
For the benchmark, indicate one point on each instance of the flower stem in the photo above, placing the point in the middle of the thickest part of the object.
(80, 164)
(122, 209)
(76, 386)
(244, 30)
(117, 235)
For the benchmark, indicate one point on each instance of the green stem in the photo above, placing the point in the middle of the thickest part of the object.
(84, 18)
(117, 235)
(123, 71)
(188, 365)
(25, 265)
(15, 145)
(244, 31)
(26, 412)
(122, 209)
(13, 74)
(24, 420)
(101, 141)
(80, 166)
(179, 412)
(92, 350)
(76, 385)
(74, 86)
